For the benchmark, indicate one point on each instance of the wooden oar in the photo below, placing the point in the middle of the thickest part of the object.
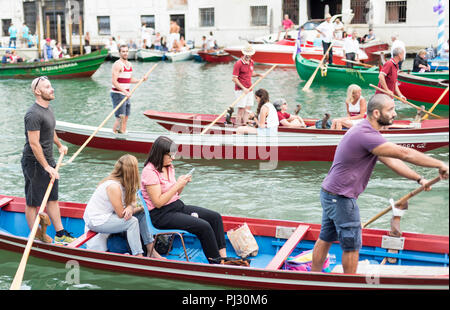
(404, 101)
(311, 79)
(358, 63)
(436, 103)
(15, 285)
(110, 115)
(402, 200)
(238, 99)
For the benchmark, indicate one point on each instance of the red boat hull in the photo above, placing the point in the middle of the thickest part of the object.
(295, 147)
(215, 58)
(423, 90)
(234, 276)
(267, 58)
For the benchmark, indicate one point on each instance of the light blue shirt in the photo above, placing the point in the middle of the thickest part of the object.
(12, 30)
(25, 32)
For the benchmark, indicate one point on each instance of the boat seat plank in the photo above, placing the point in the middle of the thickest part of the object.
(288, 247)
(82, 239)
(5, 201)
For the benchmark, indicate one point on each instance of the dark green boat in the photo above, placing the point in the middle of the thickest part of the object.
(340, 75)
(79, 66)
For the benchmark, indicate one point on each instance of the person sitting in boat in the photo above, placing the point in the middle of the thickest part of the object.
(356, 109)
(369, 37)
(286, 119)
(112, 208)
(58, 51)
(204, 44)
(7, 58)
(161, 192)
(420, 62)
(267, 124)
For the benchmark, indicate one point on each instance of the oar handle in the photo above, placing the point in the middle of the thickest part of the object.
(403, 200)
(110, 115)
(238, 99)
(17, 281)
(403, 100)
(358, 63)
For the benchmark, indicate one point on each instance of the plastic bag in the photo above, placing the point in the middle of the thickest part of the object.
(243, 242)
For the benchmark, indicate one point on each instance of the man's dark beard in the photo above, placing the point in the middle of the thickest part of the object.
(384, 121)
(47, 98)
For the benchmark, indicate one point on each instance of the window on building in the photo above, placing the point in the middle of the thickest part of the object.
(207, 17)
(258, 15)
(395, 12)
(360, 9)
(5, 26)
(148, 20)
(104, 27)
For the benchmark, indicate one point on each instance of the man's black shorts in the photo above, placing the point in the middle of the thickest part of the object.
(36, 182)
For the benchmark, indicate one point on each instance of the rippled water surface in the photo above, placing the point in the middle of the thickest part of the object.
(232, 187)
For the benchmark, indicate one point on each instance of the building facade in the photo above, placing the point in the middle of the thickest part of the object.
(231, 21)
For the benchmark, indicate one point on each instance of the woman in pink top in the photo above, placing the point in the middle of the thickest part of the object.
(161, 191)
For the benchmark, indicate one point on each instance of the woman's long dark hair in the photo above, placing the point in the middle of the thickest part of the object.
(264, 95)
(161, 147)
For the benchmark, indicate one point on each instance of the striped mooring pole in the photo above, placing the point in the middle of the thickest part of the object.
(440, 9)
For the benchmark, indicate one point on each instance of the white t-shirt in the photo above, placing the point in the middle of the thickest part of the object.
(272, 116)
(99, 208)
(328, 29)
(350, 45)
(398, 43)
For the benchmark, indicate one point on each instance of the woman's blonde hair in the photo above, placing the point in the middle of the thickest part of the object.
(127, 173)
(350, 90)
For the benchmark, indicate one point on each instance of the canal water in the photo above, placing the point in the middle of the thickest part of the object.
(231, 187)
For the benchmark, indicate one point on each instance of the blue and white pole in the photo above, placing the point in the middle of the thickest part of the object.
(440, 9)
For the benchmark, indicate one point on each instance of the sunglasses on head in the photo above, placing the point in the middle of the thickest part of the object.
(39, 79)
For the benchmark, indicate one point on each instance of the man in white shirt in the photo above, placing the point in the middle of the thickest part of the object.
(327, 32)
(351, 47)
(397, 43)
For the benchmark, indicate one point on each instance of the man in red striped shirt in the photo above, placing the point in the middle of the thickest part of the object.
(122, 72)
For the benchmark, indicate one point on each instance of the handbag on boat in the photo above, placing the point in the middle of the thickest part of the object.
(243, 242)
(163, 243)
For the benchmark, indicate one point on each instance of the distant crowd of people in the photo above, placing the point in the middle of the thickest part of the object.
(151, 39)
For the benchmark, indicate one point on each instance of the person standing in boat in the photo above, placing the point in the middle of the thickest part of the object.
(396, 43)
(122, 78)
(351, 47)
(161, 192)
(242, 78)
(327, 32)
(389, 73)
(355, 158)
(174, 35)
(38, 164)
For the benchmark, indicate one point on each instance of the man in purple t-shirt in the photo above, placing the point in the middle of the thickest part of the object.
(354, 160)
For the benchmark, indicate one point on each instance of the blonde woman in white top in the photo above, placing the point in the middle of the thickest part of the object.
(356, 109)
(112, 206)
(267, 117)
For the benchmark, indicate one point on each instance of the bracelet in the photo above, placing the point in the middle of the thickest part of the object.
(418, 180)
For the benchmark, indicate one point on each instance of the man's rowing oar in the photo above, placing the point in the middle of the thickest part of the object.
(238, 99)
(110, 115)
(403, 100)
(17, 281)
(402, 200)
